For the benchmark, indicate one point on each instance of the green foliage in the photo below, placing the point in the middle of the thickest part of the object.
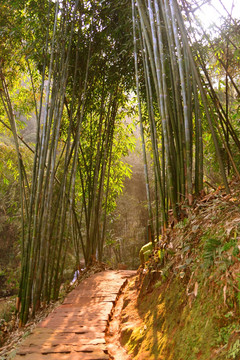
(225, 333)
(234, 351)
(210, 250)
(89, 101)
(92, 125)
(9, 190)
(183, 223)
(236, 251)
(224, 338)
(238, 294)
(229, 244)
(217, 247)
(7, 310)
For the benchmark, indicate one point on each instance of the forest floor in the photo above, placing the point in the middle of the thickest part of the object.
(185, 303)
(76, 329)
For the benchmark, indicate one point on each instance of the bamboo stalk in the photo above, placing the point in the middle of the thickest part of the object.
(203, 95)
(141, 120)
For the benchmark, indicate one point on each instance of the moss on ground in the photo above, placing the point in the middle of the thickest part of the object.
(175, 327)
(188, 306)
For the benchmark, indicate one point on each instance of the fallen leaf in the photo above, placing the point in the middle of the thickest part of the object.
(195, 291)
(225, 294)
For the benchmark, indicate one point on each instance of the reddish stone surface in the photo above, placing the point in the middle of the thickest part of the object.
(76, 329)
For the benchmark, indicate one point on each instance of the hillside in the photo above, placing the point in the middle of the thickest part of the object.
(187, 305)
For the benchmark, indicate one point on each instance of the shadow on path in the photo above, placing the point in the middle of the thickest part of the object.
(76, 329)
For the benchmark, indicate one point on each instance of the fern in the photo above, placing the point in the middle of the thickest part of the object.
(210, 249)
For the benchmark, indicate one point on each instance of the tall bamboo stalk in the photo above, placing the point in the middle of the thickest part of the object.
(203, 94)
(150, 214)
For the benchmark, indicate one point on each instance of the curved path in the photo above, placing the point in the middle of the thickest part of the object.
(76, 329)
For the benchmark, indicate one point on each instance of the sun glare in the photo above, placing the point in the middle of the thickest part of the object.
(216, 11)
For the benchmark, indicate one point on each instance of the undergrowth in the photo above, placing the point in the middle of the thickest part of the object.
(189, 302)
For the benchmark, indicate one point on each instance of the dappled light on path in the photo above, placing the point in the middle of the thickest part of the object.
(76, 329)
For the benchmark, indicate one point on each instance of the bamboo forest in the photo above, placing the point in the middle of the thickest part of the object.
(120, 179)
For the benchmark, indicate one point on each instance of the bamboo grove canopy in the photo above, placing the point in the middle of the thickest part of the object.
(83, 58)
(178, 101)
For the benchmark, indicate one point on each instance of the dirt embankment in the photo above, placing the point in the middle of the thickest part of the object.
(186, 303)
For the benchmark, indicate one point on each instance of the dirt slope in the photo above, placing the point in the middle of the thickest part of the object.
(185, 305)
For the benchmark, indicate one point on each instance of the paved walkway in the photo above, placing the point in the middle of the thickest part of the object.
(76, 329)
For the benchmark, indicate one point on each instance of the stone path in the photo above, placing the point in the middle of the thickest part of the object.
(76, 329)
